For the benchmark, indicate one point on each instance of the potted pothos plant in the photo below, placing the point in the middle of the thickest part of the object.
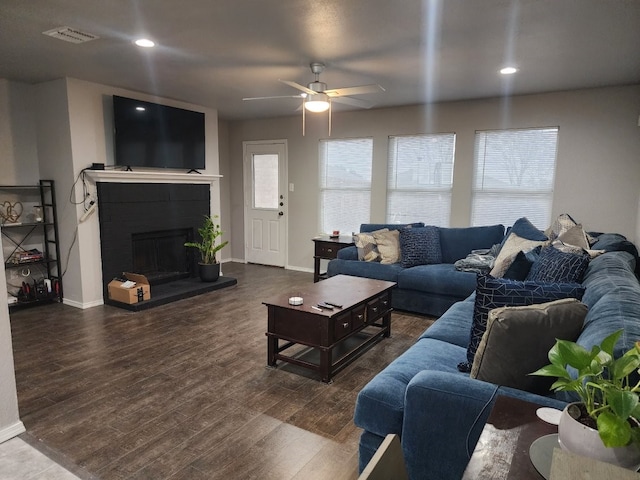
(605, 423)
(209, 268)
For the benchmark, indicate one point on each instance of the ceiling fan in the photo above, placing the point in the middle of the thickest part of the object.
(317, 98)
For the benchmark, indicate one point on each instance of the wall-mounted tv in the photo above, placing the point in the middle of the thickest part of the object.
(158, 136)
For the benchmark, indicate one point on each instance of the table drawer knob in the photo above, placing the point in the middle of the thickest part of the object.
(374, 309)
(345, 324)
(360, 317)
(329, 250)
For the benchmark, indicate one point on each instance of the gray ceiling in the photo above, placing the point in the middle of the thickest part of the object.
(215, 52)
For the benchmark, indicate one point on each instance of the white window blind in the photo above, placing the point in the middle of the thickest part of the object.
(420, 178)
(345, 184)
(514, 172)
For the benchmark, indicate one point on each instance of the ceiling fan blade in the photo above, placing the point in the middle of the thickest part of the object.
(359, 90)
(302, 88)
(356, 102)
(267, 98)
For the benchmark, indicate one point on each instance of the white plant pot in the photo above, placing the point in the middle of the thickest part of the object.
(577, 438)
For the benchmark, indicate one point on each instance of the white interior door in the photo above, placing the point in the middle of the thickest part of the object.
(265, 167)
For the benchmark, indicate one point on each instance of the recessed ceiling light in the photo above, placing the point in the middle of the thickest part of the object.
(145, 42)
(508, 70)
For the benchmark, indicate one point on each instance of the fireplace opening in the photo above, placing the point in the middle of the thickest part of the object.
(161, 256)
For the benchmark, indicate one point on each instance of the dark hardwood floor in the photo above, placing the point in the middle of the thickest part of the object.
(181, 391)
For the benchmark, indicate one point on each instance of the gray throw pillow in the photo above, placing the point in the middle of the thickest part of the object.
(518, 339)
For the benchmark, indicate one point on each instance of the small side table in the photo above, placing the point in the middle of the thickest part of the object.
(503, 448)
(326, 248)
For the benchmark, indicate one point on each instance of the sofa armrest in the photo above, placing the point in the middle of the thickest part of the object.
(348, 253)
(444, 415)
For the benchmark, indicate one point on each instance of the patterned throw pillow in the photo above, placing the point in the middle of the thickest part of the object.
(420, 246)
(388, 246)
(367, 247)
(500, 292)
(556, 266)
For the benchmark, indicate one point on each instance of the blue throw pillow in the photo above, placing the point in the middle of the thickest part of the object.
(521, 265)
(501, 292)
(420, 246)
(525, 229)
(556, 266)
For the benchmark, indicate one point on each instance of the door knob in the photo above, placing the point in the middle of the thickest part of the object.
(280, 213)
(281, 204)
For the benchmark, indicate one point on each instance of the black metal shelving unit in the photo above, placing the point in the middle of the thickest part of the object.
(41, 234)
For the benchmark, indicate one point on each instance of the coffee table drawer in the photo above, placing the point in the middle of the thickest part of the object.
(342, 325)
(377, 307)
(357, 317)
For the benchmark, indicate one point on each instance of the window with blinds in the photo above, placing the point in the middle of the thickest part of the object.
(345, 184)
(514, 172)
(420, 178)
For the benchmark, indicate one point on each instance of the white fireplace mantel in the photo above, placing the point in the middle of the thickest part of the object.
(122, 176)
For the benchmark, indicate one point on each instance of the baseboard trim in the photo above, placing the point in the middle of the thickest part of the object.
(299, 269)
(12, 431)
(82, 306)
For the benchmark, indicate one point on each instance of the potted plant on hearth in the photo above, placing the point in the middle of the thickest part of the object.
(208, 267)
(605, 423)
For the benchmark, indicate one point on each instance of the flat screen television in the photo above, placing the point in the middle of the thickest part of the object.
(151, 135)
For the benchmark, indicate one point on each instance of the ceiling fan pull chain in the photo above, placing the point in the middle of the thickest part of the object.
(329, 116)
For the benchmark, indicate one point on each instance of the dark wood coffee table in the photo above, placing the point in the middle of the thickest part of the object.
(365, 318)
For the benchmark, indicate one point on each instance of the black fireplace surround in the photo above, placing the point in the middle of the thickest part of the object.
(143, 227)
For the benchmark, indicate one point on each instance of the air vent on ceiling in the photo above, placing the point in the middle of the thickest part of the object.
(69, 34)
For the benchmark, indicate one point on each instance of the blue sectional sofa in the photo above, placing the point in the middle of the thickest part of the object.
(426, 289)
(439, 411)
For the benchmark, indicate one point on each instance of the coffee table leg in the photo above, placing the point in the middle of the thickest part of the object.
(272, 348)
(325, 365)
(386, 322)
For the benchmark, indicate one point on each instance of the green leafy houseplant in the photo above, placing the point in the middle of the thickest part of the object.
(209, 232)
(603, 385)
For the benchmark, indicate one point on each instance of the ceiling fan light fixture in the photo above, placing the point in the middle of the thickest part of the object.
(317, 103)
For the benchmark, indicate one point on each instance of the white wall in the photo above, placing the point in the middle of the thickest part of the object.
(10, 424)
(598, 168)
(19, 159)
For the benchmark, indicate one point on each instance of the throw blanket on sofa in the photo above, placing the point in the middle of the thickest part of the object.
(478, 261)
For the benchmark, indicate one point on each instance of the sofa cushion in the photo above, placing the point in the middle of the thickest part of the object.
(348, 253)
(556, 266)
(455, 325)
(388, 245)
(509, 251)
(380, 404)
(441, 279)
(374, 270)
(518, 339)
(613, 298)
(457, 243)
(500, 292)
(419, 246)
(367, 246)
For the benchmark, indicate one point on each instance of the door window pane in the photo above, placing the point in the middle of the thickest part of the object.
(265, 181)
